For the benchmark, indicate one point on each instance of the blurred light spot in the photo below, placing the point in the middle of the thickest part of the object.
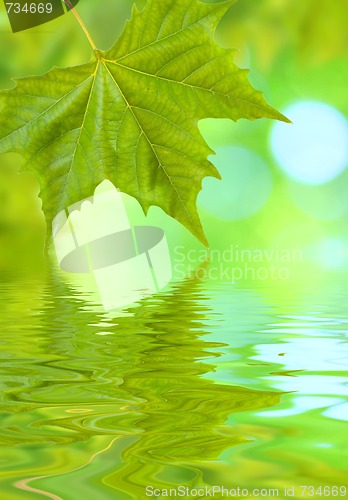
(326, 202)
(314, 150)
(104, 333)
(330, 253)
(245, 187)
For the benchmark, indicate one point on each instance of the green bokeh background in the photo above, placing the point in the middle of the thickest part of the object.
(296, 49)
(201, 383)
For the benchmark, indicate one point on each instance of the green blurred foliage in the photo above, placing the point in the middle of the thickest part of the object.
(296, 49)
(302, 31)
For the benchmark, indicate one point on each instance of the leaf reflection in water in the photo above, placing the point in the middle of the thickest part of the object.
(69, 393)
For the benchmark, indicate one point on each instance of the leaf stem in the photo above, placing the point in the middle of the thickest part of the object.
(81, 23)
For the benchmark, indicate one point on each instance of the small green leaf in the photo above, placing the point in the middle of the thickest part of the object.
(131, 114)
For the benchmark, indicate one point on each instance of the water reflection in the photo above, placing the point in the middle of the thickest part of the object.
(76, 382)
(293, 339)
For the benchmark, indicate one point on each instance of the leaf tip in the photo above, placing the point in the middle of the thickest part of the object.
(282, 118)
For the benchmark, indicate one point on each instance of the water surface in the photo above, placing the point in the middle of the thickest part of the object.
(203, 384)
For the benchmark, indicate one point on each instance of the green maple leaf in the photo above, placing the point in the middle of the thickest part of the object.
(130, 115)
